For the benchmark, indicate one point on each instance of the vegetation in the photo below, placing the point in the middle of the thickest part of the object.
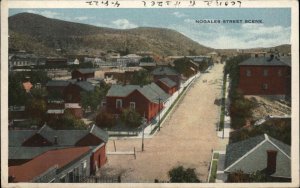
(93, 98)
(182, 175)
(240, 108)
(213, 172)
(222, 115)
(182, 66)
(258, 176)
(204, 65)
(279, 129)
(141, 77)
(67, 121)
(105, 120)
(77, 38)
(216, 156)
(131, 118)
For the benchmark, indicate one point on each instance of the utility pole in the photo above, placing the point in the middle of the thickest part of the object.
(159, 99)
(143, 124)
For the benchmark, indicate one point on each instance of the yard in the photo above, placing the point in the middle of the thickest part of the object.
(186, 138)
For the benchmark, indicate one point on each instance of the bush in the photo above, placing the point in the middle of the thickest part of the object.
(131, 118)
(105, 120)
(181, 175)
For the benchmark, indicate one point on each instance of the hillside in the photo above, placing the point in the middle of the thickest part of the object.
(32, 32)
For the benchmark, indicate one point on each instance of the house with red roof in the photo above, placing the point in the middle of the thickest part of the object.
(58, 165)
(26, 146)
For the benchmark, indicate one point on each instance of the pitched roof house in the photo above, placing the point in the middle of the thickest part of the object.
(168, 85)
(265, 76)
(146, 99)
(163, 72)
(260, 153)
(24, 145)
(83, 74)
(59, 165)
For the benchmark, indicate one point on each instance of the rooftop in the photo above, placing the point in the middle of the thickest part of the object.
(266, 61)
(164, 71)
(53, 158)
(85, 71)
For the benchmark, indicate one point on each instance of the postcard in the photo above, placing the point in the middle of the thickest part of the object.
(149, 93)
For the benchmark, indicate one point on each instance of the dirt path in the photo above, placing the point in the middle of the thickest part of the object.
(186, 138)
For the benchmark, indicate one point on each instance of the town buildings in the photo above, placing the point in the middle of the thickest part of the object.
(147, 99)
(265, 75)
(49, 155)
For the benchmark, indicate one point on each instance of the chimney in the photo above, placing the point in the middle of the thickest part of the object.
(271, 161)
(256, 55)
(271, 56)
(55, 140)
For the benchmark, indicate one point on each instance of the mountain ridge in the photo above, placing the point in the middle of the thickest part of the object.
(75, 37)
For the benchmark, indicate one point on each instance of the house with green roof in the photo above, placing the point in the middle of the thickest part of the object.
(148, 99)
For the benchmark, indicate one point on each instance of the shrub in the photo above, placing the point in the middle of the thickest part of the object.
(181, 175)
(131, 118)
(105, 120)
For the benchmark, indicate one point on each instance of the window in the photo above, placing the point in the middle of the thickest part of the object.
(265, 86)
(132, 105)
(279, 73)
(119, 103)
(71, 177)
(248, 73)
(265, 72)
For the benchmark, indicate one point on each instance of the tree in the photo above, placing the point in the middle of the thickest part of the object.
(16, 94)
(36, 109)
(67, 121)
(181, 175)
(141, 77)
(105, 120)
(131, 118)
(93, 98)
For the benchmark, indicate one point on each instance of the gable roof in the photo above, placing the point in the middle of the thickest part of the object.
(151, 91)
(28, 152)
(39, 165)
(85, 71)
(168, 82)
(121, 90)
(237, 151)
(164, 71)
(17, 137)
(263, 61)
(86, 86)
(103, 135)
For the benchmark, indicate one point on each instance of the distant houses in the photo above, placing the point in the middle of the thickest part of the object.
(261, 153)
(55, 155)
(83, 74)
(265, 75)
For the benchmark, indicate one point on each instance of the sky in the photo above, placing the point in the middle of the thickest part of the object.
(274, 30)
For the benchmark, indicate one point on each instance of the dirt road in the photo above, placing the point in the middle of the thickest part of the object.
(186, 138)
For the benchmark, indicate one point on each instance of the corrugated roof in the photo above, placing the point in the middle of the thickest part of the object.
(263, 61)
(168, 82)
(59, 158)
(164, 71)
